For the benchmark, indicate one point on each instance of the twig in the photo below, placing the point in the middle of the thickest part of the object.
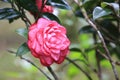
(99, 67)
(79, 68)
(53, 73)
(99, 72)
(116, 62)
(102, 40)
(31, 64)
(23, 15)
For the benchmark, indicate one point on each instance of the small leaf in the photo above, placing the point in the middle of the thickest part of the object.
(8, 13)
(100, 12)
(104, 4)
(87, 29)
(78, 13)
(51, 17)
(23, 49)
(75, 49)
(59, 4)
(23, 32)
(114, 5)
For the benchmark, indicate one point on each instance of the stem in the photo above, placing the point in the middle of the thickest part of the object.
(53, 73)
(102, 40)
(99, 72)
(79, 68)
(36, 67)
(99, 67)
(32, 64)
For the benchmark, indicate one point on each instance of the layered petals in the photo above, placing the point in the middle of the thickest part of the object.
(47, 41)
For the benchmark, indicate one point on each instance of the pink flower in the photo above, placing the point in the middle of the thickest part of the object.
(46, 8)
(47, 41)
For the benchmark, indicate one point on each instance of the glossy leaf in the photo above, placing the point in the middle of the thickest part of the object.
(59, 4)
(87, 4)
(51, 17)
(23, 32)
(8, 13)
(87, 29)
(109, 30)
(100, 12)
(23, 49)
(28, 5)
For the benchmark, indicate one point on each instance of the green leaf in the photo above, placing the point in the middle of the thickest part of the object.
(109, 1)
(114, 5)
(51, 17)
(104, 4)
(28, 5)
(109, 30)
(23, 49)
(100, 12)
(75, 49)
(9, 13)
(59, 4)
(23, 32)
(90, 4)
(78, 13)
(87, 29)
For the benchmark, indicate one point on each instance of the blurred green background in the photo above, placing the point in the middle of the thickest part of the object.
(13, 68)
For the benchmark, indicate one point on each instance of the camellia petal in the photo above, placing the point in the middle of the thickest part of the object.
(47, 41)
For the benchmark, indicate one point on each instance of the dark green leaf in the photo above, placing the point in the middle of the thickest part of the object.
(109, 30)
(8, 13)
(109, 1)
(75, 49)
(90, 4)
(28, 5)
(78, 13)
(100, 12)
(87, 29)
(51, 17)
(23, 32)
(23, 49)
(59, 4)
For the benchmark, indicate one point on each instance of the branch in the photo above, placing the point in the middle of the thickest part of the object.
(116, 62)
(31, 64)
(99, 72)
(101, 38)
(53, 73)
(79, 68)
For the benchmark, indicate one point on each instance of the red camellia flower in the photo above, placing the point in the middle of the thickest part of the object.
(46, 8)
(47, 41)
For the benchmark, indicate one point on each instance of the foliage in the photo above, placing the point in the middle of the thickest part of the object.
(91, 53)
